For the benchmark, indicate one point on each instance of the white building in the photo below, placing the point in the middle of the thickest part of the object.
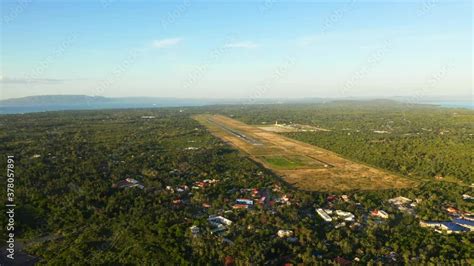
(399, 201)
(194, 230)
(219, 220)
(347, 216)
(131, 180)
(380, 213)
(467, 197)
(324, 215)
(285, 233)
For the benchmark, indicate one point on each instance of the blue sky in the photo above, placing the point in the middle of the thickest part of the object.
(245, 49)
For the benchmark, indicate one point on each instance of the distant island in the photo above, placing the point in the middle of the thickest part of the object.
(54, 99)
(42, 103)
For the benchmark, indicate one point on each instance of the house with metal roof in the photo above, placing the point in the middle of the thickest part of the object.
(464, 223)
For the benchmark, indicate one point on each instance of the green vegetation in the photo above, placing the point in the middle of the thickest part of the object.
(69, 212)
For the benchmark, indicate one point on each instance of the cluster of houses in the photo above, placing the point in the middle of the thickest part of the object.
(449, 227)
(179, 189)
(329, 215)
(185, 189)
(248, 198)
(405, 205)
(261, 197)
(283, 200)
(204, 183)
(460, 222)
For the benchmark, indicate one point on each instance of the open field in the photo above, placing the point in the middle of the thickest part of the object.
(305, 166)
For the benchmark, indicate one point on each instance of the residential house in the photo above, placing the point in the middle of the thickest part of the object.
(467, 197)
(129, 183)
(323, 214)
(347, 216)
(219, 223)
(399, 201)
(194, 230)
(244, 201)
(285, 233)
(444, 227)
(345, 198)
(331, 198)
(464, 223)
(219, 219)
(379, 213)
(453, 210)
(240, 206)
(340, 225)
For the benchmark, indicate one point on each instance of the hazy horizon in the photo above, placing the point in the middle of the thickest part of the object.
(367, 97)
(237, 50)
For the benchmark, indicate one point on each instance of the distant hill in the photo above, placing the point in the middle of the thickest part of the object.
(367, 102)
(55, 99)
(160, 101)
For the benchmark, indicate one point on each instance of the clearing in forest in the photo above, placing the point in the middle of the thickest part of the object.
(303, 165)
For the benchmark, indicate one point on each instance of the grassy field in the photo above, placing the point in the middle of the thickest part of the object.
(302, 165)
(291, 162)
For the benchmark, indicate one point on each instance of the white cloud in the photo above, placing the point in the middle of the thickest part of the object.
(163, 43)
(243, 45)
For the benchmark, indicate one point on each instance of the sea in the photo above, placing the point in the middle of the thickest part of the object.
(466, 105)
(22, 109)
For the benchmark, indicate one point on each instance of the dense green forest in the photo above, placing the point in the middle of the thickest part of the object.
(70, 212)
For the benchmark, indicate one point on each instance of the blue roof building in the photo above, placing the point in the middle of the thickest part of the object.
(464, 223)
(454, 227)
